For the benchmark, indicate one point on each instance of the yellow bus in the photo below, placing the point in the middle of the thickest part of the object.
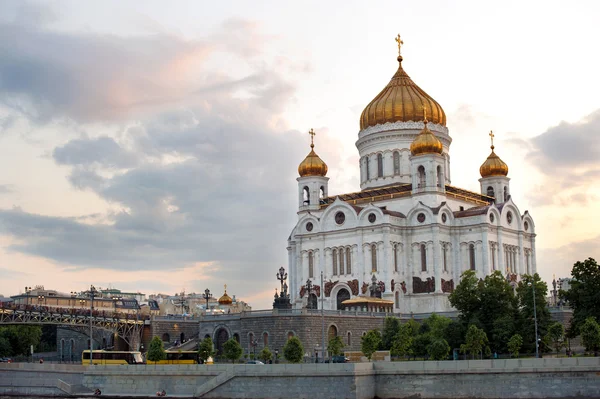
(179, 357)
(111, 357)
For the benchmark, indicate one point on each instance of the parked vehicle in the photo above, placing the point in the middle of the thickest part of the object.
(254, 362)
(5, 360)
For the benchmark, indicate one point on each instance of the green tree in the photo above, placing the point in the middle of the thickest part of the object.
(265, 355)
(475, 341)
(206, 349)
(466, 297)
(391, 327)
(402, 343)
(436, 325)
(514, 345)
(156, 352)
(555, 336)
(370, 343)
(335, 346)
(232, 350)
(420, 344)
(526, 319)
(21, 337)
(438, 349)
(590, 335)
(584, 294)
(5, 348)
(293, 350)
(455, 334)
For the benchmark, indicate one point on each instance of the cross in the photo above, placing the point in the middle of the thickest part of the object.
(492, 138)
(312, 136)
(225, 287)
(400, 43)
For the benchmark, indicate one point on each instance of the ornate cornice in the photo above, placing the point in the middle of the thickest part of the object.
(410, 125)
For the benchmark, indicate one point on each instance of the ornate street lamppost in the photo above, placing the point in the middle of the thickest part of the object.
(116, 299)
(41, 298)
(207, 295)
(92, 294)
(534, 318)
(73, 296)
(27, 291)
(281, 276)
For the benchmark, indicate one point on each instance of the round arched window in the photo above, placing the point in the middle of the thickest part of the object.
(509, 217)
(309, 226)
(526, 226)
(421, 217)
(340, 217)
(492, 217)
(444, 218)
(372, 217)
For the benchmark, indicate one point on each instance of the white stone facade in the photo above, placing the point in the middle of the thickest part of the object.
(407, 224)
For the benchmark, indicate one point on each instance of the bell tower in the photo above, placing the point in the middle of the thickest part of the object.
(312, 183)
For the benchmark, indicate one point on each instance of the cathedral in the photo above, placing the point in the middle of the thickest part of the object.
(407, 236)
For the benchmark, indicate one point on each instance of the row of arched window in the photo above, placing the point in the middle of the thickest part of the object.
(341, 261)
(380, 167)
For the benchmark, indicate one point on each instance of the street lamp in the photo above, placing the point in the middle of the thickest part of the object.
(27, 291)
(73, 295)
(41, 298)
(92, 294)
(309, 287)
(276, 355)
(529, 284)
(207, 295)
(115, 300)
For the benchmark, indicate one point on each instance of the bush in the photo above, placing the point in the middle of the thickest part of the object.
(156, 352)
(293, 350)
(205, 349)
(232, 350)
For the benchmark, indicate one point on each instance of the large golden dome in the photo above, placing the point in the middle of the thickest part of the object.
(493, 165)
(225, 299)
(401, 100)
(426, 143)
(312, 164)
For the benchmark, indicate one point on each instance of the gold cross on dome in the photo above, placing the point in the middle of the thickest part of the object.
(492, 138)
(312, 136)
(225, 287)
(400, 43)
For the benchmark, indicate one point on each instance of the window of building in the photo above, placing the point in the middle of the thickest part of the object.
(472, 256)
(396, 163)
(397, 300)
(505, 193)
(379, 165)
(373, 257)
(490, 191)
(266, 339)
(422, 176)
(367, 167)
(334, 256)
(310, 265)
(341, 253)
(348, 261)
(423, 258)
(322, 192)
(306, 195)
(395, 257)
(440, 179)
(445, 257)
(349, 340)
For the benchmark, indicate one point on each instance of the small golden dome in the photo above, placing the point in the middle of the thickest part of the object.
(426, 143)
(312, 164)
(493, 165)
(401, 100)
(225, 299)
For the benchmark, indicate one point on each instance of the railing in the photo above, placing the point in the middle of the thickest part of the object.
(71, 312)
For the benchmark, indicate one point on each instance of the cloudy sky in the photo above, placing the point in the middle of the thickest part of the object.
(153, 146)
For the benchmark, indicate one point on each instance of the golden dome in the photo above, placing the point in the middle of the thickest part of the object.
(493, 165)
(426, 143)
(401, 101)
(225, 299)
(312, 164)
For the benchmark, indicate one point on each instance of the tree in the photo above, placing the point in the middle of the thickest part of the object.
(21, 337)
(584, 294)
(526, 326)
(293, 350)
(206, 349)
(265, 355)
(455, 334)
(391, 327)
(420, 343)
(466, 297)
(402, 343)
(232, 350)
(5, 348)
(370, 343)
(590, 335)
(555, 336)
(438, 349)
(435, 325)
(335, 346)
(514, 345)
(475, 341)
(156, 352)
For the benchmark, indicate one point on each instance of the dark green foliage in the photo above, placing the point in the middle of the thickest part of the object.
(526, 327)
(265, 355)
(590, 335)
(5, 348)
(556, 336)
(584, 294)
(402, 343)
(391, 327)
(438, 349)
(335, 346)
(20, 338)
(514, 345)
(420, 344)
(475, 342)
(232, 350)
(293, 350)
(455, 334)
(156, 352)
(370, 343)
(206, 349)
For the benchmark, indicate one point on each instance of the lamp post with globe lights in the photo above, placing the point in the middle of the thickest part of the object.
(207, 295)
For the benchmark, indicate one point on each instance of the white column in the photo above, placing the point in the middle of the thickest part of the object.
(436, 250)
(464, 257)
(327, 263)
(367, 257)
(355, 260)
(501, 253)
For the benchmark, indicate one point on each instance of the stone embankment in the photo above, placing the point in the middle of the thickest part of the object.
(489, 379)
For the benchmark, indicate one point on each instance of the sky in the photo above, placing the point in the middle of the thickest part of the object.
(153, 146)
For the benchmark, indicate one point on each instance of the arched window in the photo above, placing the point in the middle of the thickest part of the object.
(490, 191)
(236, 336)
(348, 261)
(342, 296)
(505, 193)
(341, 253)
(396, 163)
(445, 257)
(423, 258)
(306, 195)
(440, 178)
(373, 257)
(367, 167)
(266, 339)
(349, 341)
(422, 177)
(397, 295)
(395, 257)
(334, 256)
(250, 340)
(379, 165)
(310, 265)
(322, 192)
(332, 332)
(290, 335)
(166, 337)
(472, 256)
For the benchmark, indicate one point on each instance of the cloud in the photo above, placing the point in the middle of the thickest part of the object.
(561, 260)
(103, 150)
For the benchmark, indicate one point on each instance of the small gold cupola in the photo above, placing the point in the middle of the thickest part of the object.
(493, 165)
(225, 299)
(426, 142)
(401, 101)
(312, 164)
